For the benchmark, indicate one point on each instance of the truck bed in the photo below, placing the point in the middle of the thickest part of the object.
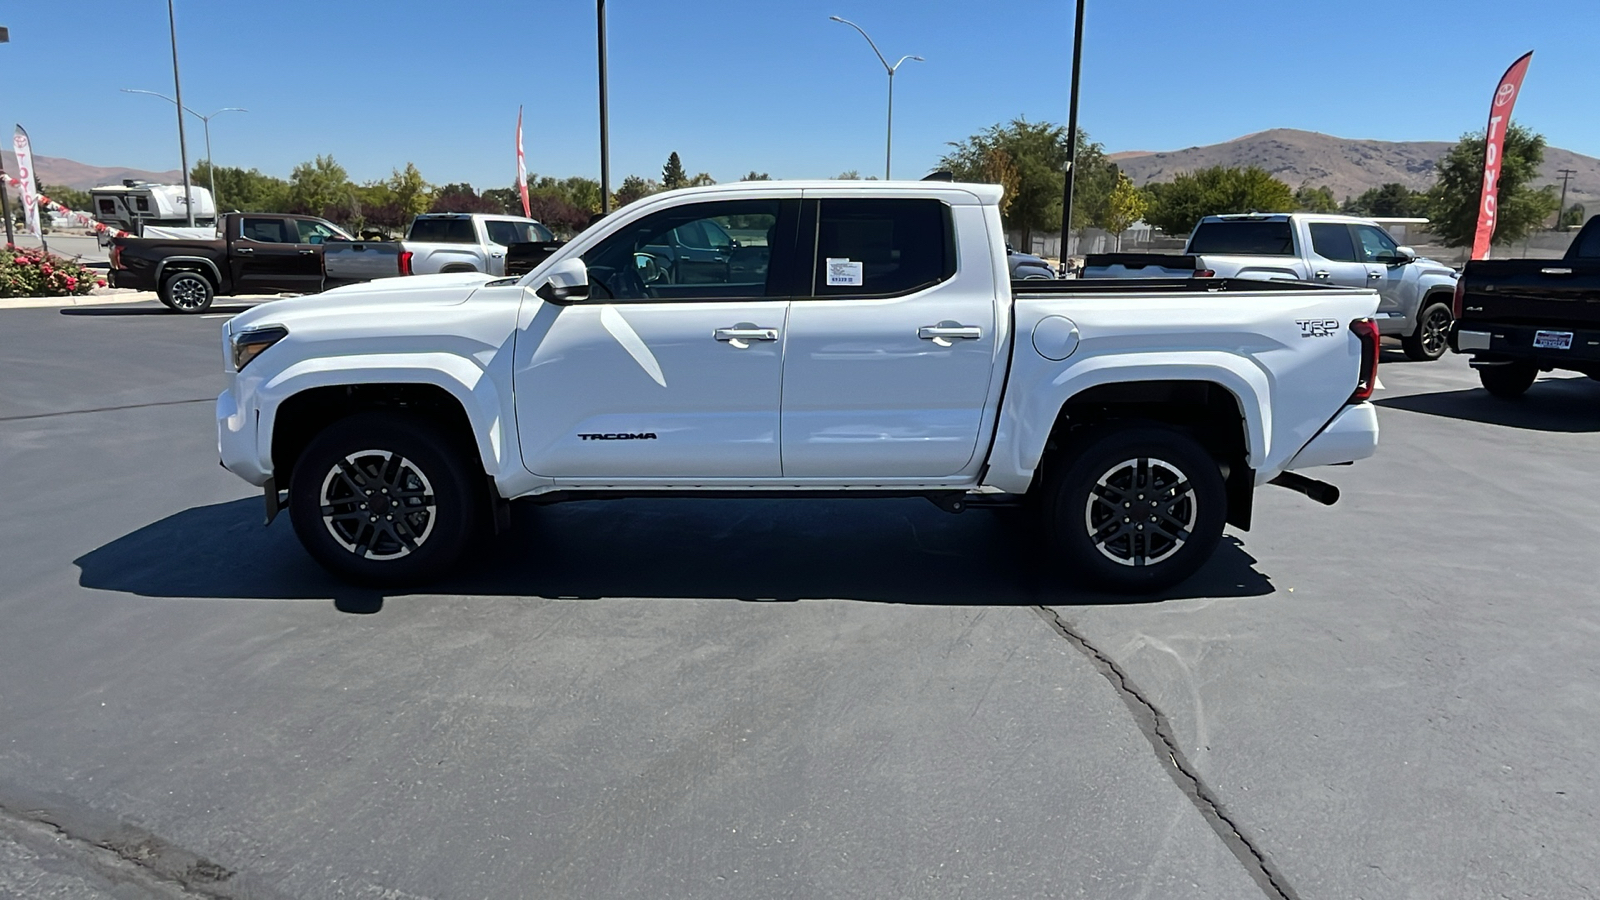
(1533, 292)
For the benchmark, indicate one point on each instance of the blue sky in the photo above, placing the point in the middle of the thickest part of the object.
(771, 85)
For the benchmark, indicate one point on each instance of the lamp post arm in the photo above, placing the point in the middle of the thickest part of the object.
(869, 40)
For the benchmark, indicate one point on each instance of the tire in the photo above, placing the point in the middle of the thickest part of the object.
(187, 292)
(1106, 468)
(378, 453)
(1510, 381)
(1431, 338)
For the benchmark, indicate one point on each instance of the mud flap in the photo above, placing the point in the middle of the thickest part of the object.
(269, 492)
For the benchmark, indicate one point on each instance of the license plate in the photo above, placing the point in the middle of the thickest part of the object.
(1553, 340)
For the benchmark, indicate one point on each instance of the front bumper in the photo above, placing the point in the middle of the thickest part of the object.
(1494, 342)
(1352, 435)
(1393, 324)
(236, 440)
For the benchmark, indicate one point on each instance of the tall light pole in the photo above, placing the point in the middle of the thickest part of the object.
(211, 167)
(888, 144)
(605, 146)
(177, 88)
(5, 202)
(1072, 136)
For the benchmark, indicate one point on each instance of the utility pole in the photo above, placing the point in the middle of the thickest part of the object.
(605, 145)
(1566, 176)
(1072, 136)
(177, 88)
(5, 202)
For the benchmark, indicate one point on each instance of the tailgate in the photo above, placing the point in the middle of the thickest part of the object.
(1533, 292)
(1139, 265)
(361, 260)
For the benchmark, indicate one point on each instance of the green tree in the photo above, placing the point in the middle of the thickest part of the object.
(1125, 205)
(461, 197)
(1038, 153)
(1453, 201)
(244, 190)
(635, 188)
(1315, 199)
(704, 179)
(509, 199)
(1392, 200)
(71, 198)
(1573, 217)
(322, 188)
(756, 176)
(410, 190)
(672, 174)
(1176, 207)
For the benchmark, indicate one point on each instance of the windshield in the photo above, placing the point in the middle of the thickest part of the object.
(1243, 238)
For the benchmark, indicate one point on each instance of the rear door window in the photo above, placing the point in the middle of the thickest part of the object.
(507, 233)
(1243, 238)
(1332, 241)
(877, 247)
(266, 231)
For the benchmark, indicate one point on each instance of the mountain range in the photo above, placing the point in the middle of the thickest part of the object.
(74, 174)
(1347, 166)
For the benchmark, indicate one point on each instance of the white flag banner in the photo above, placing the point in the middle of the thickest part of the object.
(30, 198)
(522, 168)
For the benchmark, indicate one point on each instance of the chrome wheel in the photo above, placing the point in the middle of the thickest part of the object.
(1436, 331)
(378, 505)
(189, 294)
(1141, 511)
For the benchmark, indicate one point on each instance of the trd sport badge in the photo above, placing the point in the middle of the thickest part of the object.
(1318, 327)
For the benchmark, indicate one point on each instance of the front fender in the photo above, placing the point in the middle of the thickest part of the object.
(1032, 406)
(460, 377)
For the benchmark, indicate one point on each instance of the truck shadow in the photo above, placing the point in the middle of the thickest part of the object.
(1564, 405)
(879, 551)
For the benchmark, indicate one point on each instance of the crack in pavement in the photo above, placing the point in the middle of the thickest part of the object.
(1158, 731)
(98, 409)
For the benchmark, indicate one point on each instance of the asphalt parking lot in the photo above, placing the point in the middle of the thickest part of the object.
(1397, 697)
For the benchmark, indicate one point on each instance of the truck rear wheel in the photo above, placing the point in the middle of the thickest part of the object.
(383, 499)
(1137, 508)
(187, 292)
(1509, 381)
(1431, 338)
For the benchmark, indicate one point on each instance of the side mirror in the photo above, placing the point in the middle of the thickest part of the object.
(566, 282)
(1402, 256)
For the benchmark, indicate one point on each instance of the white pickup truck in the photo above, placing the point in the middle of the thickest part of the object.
(1415, 294)
(435, 243)
(862, 338)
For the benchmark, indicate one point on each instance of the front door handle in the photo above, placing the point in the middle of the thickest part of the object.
(946, 332)
(308, 253)
(244, 250)
(742, 334)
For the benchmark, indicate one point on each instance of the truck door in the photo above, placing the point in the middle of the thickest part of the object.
(1334, 258)
(1377, 253)
(268, 258)
(892, 340)
(653, 378)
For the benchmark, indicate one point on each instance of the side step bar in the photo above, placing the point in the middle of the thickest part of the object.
(1320, 491)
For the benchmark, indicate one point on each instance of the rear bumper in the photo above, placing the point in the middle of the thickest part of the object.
(1352, 435)
(1493, 342)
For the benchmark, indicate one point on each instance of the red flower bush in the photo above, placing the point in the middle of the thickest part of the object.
(39, 274)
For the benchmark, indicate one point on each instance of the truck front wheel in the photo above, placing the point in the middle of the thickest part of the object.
(1431, 338)
(383, 499)
(1138, 508)
(187, 292)
(1508, 381)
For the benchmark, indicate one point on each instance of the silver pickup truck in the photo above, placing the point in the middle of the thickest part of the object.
(1415, 294)
(437, 243)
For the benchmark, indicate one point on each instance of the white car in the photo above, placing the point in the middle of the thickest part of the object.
(859, 338)
(1415, 294)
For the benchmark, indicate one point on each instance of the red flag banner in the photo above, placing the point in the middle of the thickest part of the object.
(28, 185)
(522, 169)
(1494, 145)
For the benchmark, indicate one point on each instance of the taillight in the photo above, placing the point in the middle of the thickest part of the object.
(1459, 303)
(405, 262)
(116, 257)
(1367, 331)
(1205, 273)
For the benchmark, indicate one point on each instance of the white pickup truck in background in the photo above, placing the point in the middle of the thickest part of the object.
(861, 339)
(1416, 294)
(436, 243)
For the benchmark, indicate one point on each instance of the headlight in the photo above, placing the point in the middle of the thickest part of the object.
(247, 345)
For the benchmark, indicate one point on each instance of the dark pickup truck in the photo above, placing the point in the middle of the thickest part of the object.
(1518, 317)
(256, 253)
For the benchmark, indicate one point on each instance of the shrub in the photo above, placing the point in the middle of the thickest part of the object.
(34, 273)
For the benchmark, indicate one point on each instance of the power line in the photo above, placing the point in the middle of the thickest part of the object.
(1566, 176)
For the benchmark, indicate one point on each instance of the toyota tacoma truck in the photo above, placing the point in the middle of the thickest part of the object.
(870, 343)
(1415, 293)
(1517, 317)
(253, 253)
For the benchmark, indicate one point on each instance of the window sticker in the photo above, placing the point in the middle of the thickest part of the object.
(844, 272)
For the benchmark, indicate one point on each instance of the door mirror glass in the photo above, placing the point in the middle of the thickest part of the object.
(651, 267)
(566, 282)
(1406, 254)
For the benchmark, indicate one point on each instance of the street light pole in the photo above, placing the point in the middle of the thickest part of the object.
(5, 202)
(211, 167)
(888, 143)
(177, 88)
(605, 145)
(1072, 135)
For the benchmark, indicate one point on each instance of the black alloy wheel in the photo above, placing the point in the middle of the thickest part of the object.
(187, 292)
(1137, 507)
(379, 498)
(1432, 336)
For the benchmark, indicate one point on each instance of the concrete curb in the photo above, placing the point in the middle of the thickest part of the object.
(87, 300)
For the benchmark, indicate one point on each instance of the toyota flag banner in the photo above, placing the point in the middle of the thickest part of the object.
(1505, 97)
(522, 168)
(30, 200)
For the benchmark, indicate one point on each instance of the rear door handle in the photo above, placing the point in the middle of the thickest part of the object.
(1374, 275)
(742, 334)
(1323, 274)
(308, 253)
(945, 332)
